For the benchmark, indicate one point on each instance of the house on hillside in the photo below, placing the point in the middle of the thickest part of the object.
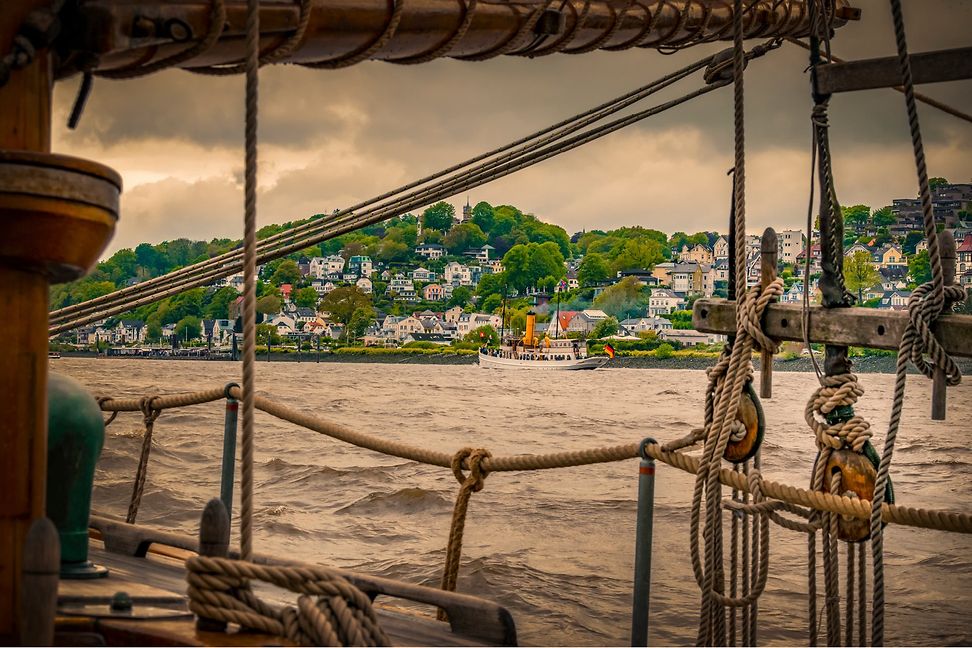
(129, 332)
(663, 301)
(430, 251)
(636, 325)
(364, 284)
(422, 275)
(432, 292)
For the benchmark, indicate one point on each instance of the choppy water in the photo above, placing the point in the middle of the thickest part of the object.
(555, 547)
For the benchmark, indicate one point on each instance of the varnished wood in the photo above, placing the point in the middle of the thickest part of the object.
(768, 252)
(739, 451)
(25, 114)
(858, 476)
(42, 564)
(339, 28)
(868, 327)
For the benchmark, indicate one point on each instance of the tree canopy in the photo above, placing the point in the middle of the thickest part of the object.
(439, 216)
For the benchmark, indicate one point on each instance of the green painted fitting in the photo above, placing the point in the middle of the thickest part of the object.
(75, 436)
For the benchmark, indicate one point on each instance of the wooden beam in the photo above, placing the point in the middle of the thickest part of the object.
(866, 327)
(867, 74)
(25, 110)
(123, 32)
(769, 249)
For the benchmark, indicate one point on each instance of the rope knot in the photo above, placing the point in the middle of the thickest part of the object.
(839, 391)
(924, 307)
(148, 408)
(751, 309)
(477, 473)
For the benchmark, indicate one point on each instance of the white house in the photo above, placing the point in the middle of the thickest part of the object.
(663, 302)
(423, 275)
(364, 285)
(402, 287)
(791, 244)
(471, 321)
(457, 274)
(430, 251)
(636, 325)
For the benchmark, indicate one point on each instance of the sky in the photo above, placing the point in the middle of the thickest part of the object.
(331, 138)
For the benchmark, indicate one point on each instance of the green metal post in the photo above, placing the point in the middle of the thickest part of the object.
(229, 451)
(642, 577)
(75, 436)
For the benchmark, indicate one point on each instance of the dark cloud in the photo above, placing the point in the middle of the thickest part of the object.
(332, 138)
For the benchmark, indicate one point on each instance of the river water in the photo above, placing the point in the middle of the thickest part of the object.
(555, 547)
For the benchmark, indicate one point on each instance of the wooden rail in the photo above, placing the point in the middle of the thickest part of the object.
(866, 327)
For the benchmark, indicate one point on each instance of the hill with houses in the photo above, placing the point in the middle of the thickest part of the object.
(450, 277)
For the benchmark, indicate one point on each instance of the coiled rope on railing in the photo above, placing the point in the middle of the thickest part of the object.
(329, 612)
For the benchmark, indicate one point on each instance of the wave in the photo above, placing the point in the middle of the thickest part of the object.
(403, 501)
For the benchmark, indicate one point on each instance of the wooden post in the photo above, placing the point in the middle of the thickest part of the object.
(214, 532)
(25, 126)
(946, 243)
(42, 564)
(768, 253)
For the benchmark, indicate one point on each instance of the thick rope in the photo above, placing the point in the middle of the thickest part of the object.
(924, 306)
(249, 277)
(150, 414)
(469, 484)
(941, 520)
(340, 615)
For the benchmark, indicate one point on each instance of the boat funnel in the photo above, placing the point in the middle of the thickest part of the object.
(531, 325)
(75, 435)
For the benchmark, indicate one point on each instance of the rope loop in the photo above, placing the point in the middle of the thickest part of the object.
(477, 473)
(101, 403)
(838, 391)
(923, 311)
(330, 611)
(150, 411)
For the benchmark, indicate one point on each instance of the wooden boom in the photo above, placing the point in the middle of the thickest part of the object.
(121, 34)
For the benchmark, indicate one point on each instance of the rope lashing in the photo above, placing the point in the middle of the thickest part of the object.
(102, 400)
(834, 392)
(340, 615)
(469, 483)
(149, 413)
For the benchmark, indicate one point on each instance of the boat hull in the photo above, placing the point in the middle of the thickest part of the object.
(493, 362)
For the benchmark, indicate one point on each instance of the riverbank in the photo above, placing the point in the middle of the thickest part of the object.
(868, 364)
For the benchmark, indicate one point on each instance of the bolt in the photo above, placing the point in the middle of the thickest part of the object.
(121, 602)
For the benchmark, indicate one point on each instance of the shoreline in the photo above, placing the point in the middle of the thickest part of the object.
(867, 364)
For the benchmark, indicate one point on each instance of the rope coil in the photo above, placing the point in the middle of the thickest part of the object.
(340, 615)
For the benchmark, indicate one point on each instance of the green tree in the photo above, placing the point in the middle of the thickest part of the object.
(883, 217)
(919, 268)
(664, 351)
(483, 335)
(636, 254)
(491, 303)
(153, 328)
(593, 268)
(607, 326)
(306, 298)
(624, 299)
(483, 216)
(286, 273)
(188, 328)
(460, 296)
(935, 183)
(218, 307)
(860, 273)
(439, 216)
(347, 304)
(266, 332)
(463, 237)
(856, 217)
(268, 304)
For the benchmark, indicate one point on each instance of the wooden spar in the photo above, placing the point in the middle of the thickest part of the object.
(24, 125)
(856, 326)
(768, 251)
(135, 33)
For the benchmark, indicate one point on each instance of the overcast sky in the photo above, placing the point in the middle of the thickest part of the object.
(331, 138)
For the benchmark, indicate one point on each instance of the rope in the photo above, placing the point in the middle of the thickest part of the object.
(341, 615)
(941, 520)
(150, 414)
(278, 53)
(469, 484)
(924, 306)
(249, 276)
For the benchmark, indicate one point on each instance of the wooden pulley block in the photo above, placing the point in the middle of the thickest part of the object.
(750, 414)
(858, 473)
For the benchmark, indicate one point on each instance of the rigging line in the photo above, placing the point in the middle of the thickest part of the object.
(568, 125)
(468, 182)
(805, 312)
(923, 98)
(249, 276)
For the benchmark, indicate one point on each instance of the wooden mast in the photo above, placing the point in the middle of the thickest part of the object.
(25, 124)
(57, 213)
